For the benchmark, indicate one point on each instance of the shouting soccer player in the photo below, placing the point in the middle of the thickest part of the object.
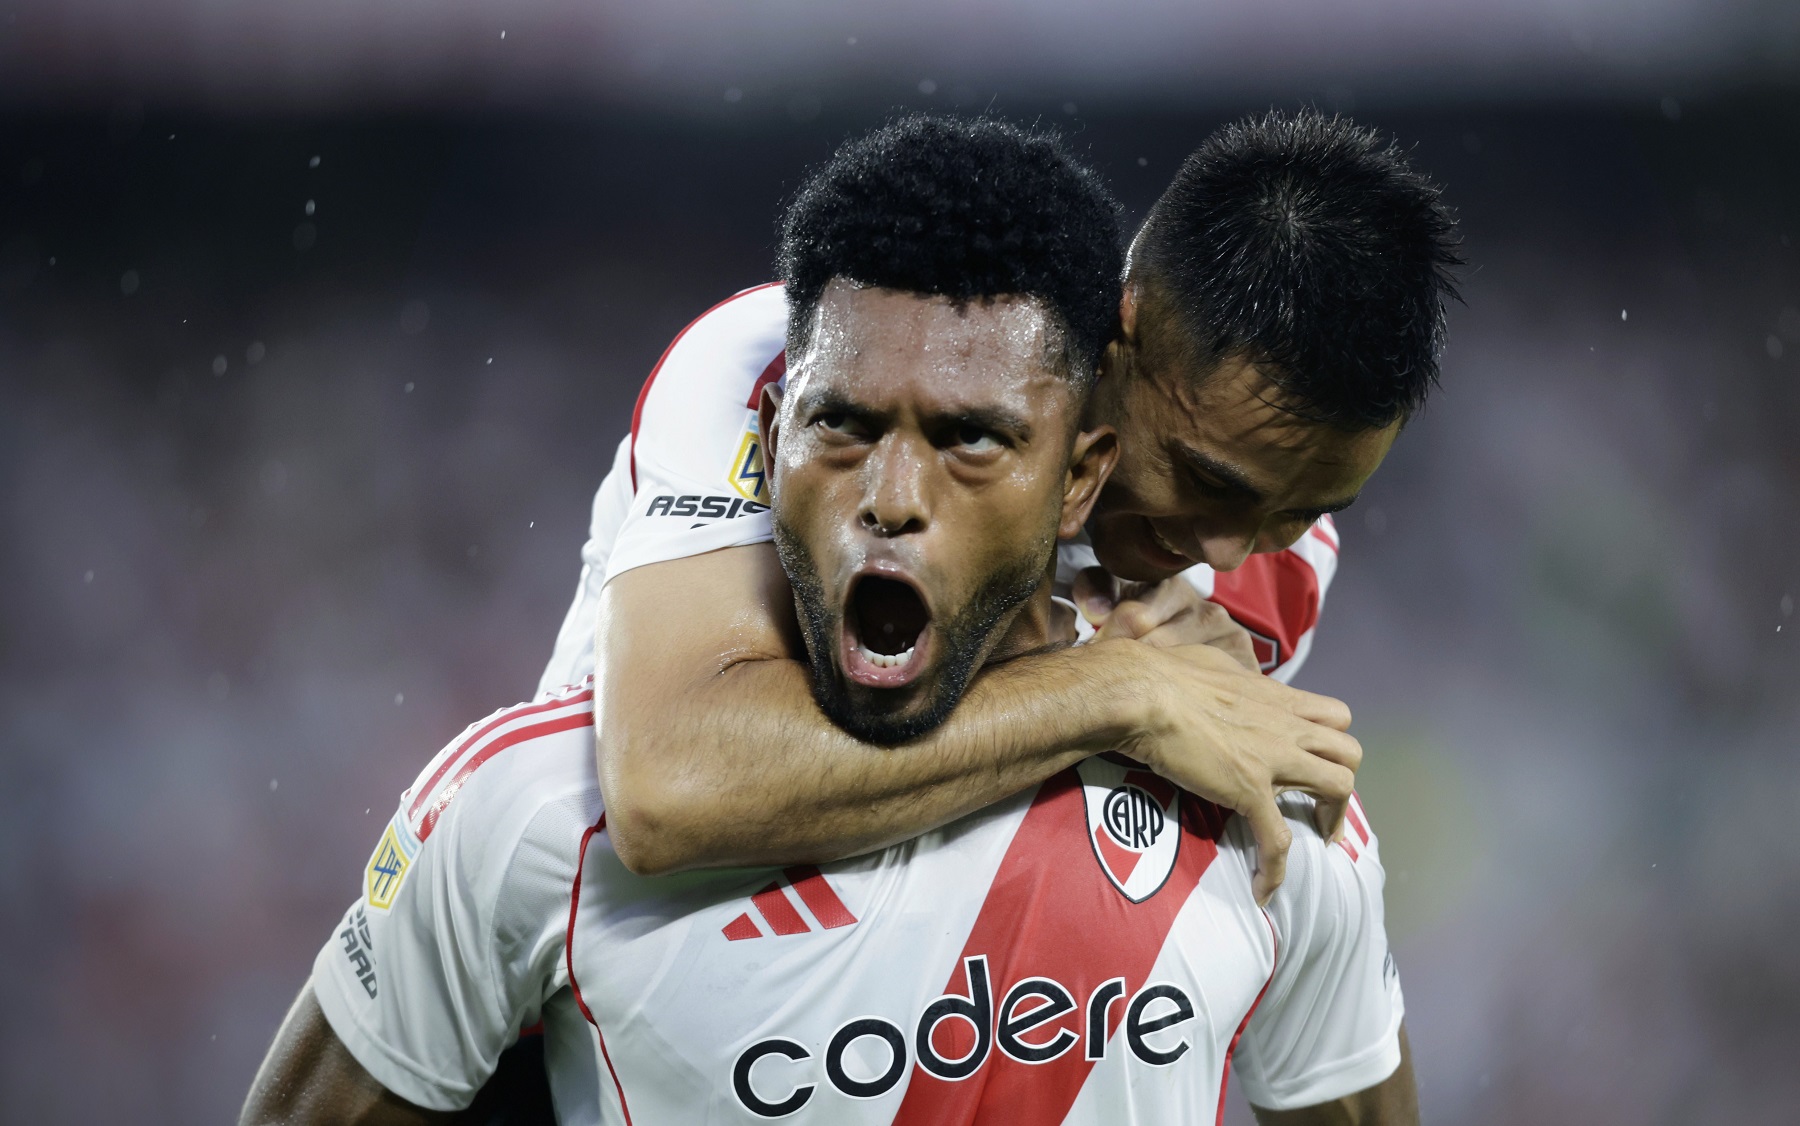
(1088, 951)
(1280, 321)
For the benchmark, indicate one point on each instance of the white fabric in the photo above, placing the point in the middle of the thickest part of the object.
(452, 952)
(695, 432)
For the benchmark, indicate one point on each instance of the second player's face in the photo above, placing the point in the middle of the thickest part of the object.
(1211, 468)
(921, 460)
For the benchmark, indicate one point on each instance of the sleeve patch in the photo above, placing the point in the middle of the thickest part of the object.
(746, 474)
(388, 867)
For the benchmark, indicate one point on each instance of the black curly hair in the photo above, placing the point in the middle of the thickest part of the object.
(963, 208)
(1306, 244)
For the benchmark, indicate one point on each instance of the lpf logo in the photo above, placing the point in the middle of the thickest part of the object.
(1134, 824)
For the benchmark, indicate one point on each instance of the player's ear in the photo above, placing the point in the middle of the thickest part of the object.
(768, 422)
(1091, 462)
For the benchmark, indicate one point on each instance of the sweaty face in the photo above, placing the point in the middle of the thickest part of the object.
(1212, 469)
(920, 459)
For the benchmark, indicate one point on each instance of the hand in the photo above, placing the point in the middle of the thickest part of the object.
(1162, 614)
(1239, 739)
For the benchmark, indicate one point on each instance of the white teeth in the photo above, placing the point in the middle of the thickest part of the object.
(887, 660)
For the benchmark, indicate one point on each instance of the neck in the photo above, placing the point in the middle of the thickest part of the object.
(1037, 624)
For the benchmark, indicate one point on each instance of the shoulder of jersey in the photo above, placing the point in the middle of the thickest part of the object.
(532, 751)
(723, 353)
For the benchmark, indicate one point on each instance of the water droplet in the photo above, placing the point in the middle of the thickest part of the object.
(399, 698)
(1143, 162)
(311, 206)
(734, 95)
(255, 353)
(313, 163)
(128, 282)
(219, 365)
(1622, 314)
(927, 86)
(274, 784)
(503, 35)
(88, 577)
(1772, 344)
(409, 388)
(1671, 108)
(1069, 108)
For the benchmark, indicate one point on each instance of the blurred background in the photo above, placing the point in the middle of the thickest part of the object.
(318, 324)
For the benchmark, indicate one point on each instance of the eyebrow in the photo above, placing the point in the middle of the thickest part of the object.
(1237, 482)
(986, 417)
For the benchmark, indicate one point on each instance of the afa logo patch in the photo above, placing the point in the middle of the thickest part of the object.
(388, 867)
(746, 474)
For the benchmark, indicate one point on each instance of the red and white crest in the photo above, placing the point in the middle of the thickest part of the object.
(1134, 825)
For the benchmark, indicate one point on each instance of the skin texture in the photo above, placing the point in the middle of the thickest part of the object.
(694, 693)
(874, 458)
(1213, 469)
(309, 1076)
(1392, 1102)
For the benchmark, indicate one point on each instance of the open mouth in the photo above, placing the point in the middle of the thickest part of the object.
(886, 632)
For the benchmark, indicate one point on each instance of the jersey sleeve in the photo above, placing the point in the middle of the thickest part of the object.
(696, 452)
(573, 657)
(1328, 1024)
(454, 943)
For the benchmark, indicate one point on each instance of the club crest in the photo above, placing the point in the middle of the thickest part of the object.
(1134, 825)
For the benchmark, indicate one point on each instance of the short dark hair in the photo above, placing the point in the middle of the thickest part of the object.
(963, 208)
(1307, 245)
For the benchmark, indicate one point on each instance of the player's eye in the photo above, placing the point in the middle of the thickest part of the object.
(836, 422)
(974, 439)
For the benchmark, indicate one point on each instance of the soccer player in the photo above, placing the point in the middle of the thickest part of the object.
(1088, 951)
(1279, 322)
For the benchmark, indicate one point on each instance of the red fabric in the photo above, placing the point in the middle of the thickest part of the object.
(523, 734)
(819, 898)
(1225, 1072)
(1276, 595)
(778, 912)
(569, 963)
(504, 717)
(1052, 912)
(637, 412)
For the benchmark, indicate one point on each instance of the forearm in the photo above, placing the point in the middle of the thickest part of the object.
(310, 1077)
(1392, 1102)
(751, 772)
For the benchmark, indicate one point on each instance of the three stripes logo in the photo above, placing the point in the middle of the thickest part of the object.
(773, 911)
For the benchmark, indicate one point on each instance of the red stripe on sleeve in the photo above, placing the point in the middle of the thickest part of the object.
(637, 412)
(819, 898)
(502, 719)
(1356, 821)
(1051, 912)
(776, 369)
(511, 738)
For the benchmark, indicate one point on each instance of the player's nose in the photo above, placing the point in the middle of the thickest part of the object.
(896, 493)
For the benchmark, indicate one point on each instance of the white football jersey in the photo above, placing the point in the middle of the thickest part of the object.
(1087, 953)
(688, 479)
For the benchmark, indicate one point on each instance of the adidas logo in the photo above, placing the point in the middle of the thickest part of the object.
(778, 914)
